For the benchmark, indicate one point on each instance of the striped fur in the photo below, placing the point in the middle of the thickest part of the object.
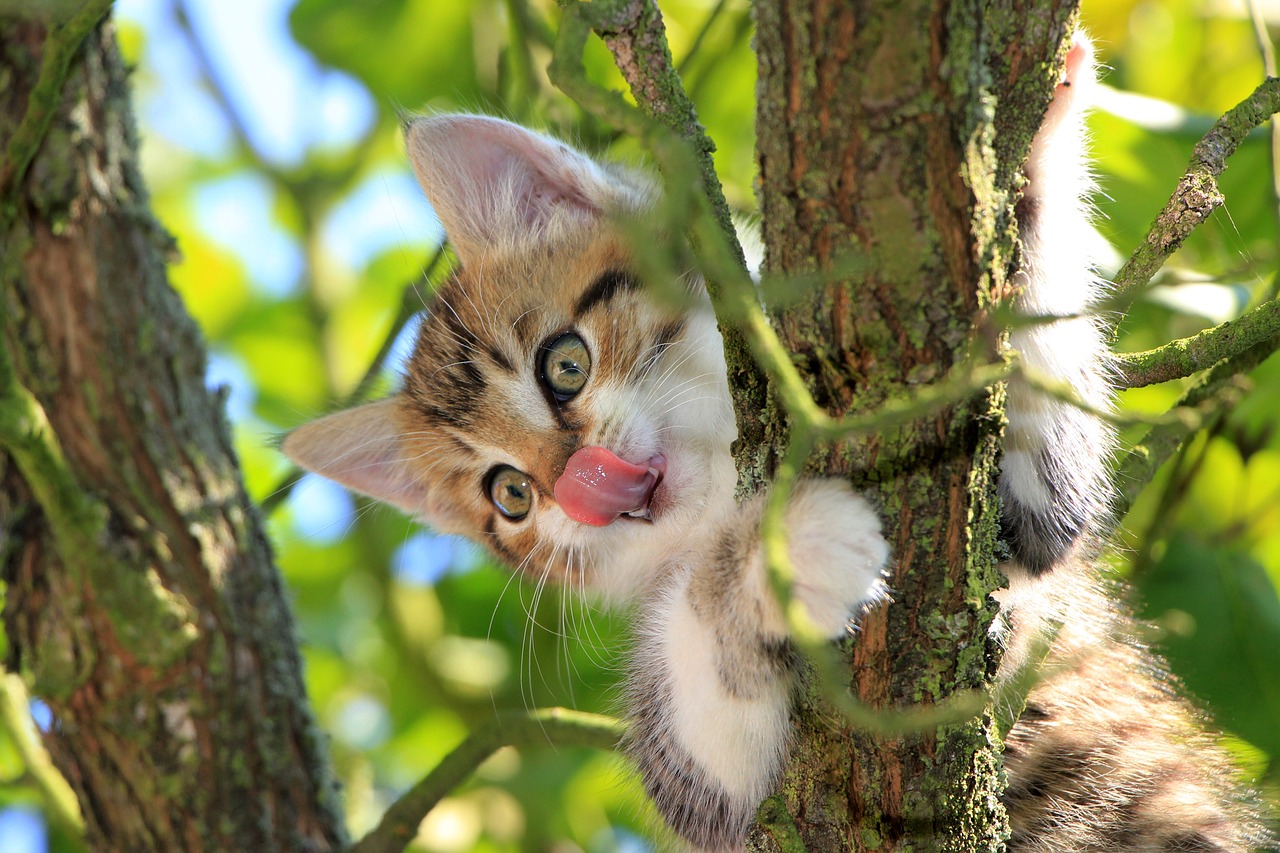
(710, 683)
(1106, 757)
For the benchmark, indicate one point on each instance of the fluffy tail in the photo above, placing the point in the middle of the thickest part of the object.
(1054, 485)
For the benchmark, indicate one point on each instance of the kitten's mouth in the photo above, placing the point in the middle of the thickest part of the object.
(598, 488)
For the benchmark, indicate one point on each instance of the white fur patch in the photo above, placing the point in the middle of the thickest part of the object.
(739, 742)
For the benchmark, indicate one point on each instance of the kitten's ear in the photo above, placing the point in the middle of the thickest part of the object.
(361, 449)
(498, 187)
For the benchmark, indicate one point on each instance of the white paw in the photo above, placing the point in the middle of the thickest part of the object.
(838, 553)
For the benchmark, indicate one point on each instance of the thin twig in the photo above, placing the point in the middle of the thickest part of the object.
(1216, 390)
(667, 121)
(527, 82)
(635, 34)
(696, 47)
(15, 717)
(217, 87)
(412, 300)
(1197, 194)
(557, 726)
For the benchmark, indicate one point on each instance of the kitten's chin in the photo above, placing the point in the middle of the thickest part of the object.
(683, 505)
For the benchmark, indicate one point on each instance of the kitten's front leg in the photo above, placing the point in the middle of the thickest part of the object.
(710, 689)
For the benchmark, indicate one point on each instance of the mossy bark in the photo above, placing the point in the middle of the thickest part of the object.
(894, 132)
(142, 605)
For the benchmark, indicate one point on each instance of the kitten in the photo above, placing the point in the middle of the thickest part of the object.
(580, 429)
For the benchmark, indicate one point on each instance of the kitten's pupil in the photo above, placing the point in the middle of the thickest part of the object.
(511, 492)
(566, 364)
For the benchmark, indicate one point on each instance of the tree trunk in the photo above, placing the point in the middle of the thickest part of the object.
(141, 603)
(878, 140)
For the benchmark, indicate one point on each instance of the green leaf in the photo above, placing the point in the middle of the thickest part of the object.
(408, 51)
(1227, 643)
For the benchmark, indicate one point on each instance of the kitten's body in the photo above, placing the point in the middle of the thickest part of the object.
(557, 413)
(1107, 757)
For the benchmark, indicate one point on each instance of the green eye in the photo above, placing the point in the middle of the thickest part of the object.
(566, 364)
(511, 492)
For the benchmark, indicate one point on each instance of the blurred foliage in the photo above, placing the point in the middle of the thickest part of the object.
(410, 638)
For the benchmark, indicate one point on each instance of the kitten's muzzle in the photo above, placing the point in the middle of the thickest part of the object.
(598, 488)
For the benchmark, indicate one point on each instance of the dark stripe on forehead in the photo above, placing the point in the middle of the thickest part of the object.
(604, 289)
(457, 334)
(455, 383)
(466, 375)
(669, 334)
(499, 358)
(526, 328)
(455, 416)
(460, 444)
(448, 393)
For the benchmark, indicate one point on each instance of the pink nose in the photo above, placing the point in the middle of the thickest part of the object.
(597, 487)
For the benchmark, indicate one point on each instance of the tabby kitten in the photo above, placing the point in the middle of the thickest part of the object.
(579, 428)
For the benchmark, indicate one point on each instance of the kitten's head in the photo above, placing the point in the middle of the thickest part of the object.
(552, 410)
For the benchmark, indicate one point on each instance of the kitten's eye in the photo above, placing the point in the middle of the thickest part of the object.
(511, 492)
(566, 364)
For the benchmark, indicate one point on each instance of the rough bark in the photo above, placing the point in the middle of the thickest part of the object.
(141, 600)
(893, 132)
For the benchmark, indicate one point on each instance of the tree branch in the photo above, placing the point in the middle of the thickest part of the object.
(696, 47)
(16, 720)
(634, 32)
(558, 726)
(218, 89)
(1197, 194)
(1216, 390)
(1186, 356)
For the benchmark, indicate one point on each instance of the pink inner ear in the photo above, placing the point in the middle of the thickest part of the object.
(495, 183)
(360, 448)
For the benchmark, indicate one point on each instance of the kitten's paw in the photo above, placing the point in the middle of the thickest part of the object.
(838, 552)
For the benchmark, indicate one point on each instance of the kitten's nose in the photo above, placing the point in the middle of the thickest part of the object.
(597, 487)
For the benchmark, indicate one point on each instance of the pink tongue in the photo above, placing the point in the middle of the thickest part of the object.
(597, 487)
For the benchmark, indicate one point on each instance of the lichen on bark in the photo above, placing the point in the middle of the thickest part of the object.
(878, 130)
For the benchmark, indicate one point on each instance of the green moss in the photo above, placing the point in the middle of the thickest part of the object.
(777, 822)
